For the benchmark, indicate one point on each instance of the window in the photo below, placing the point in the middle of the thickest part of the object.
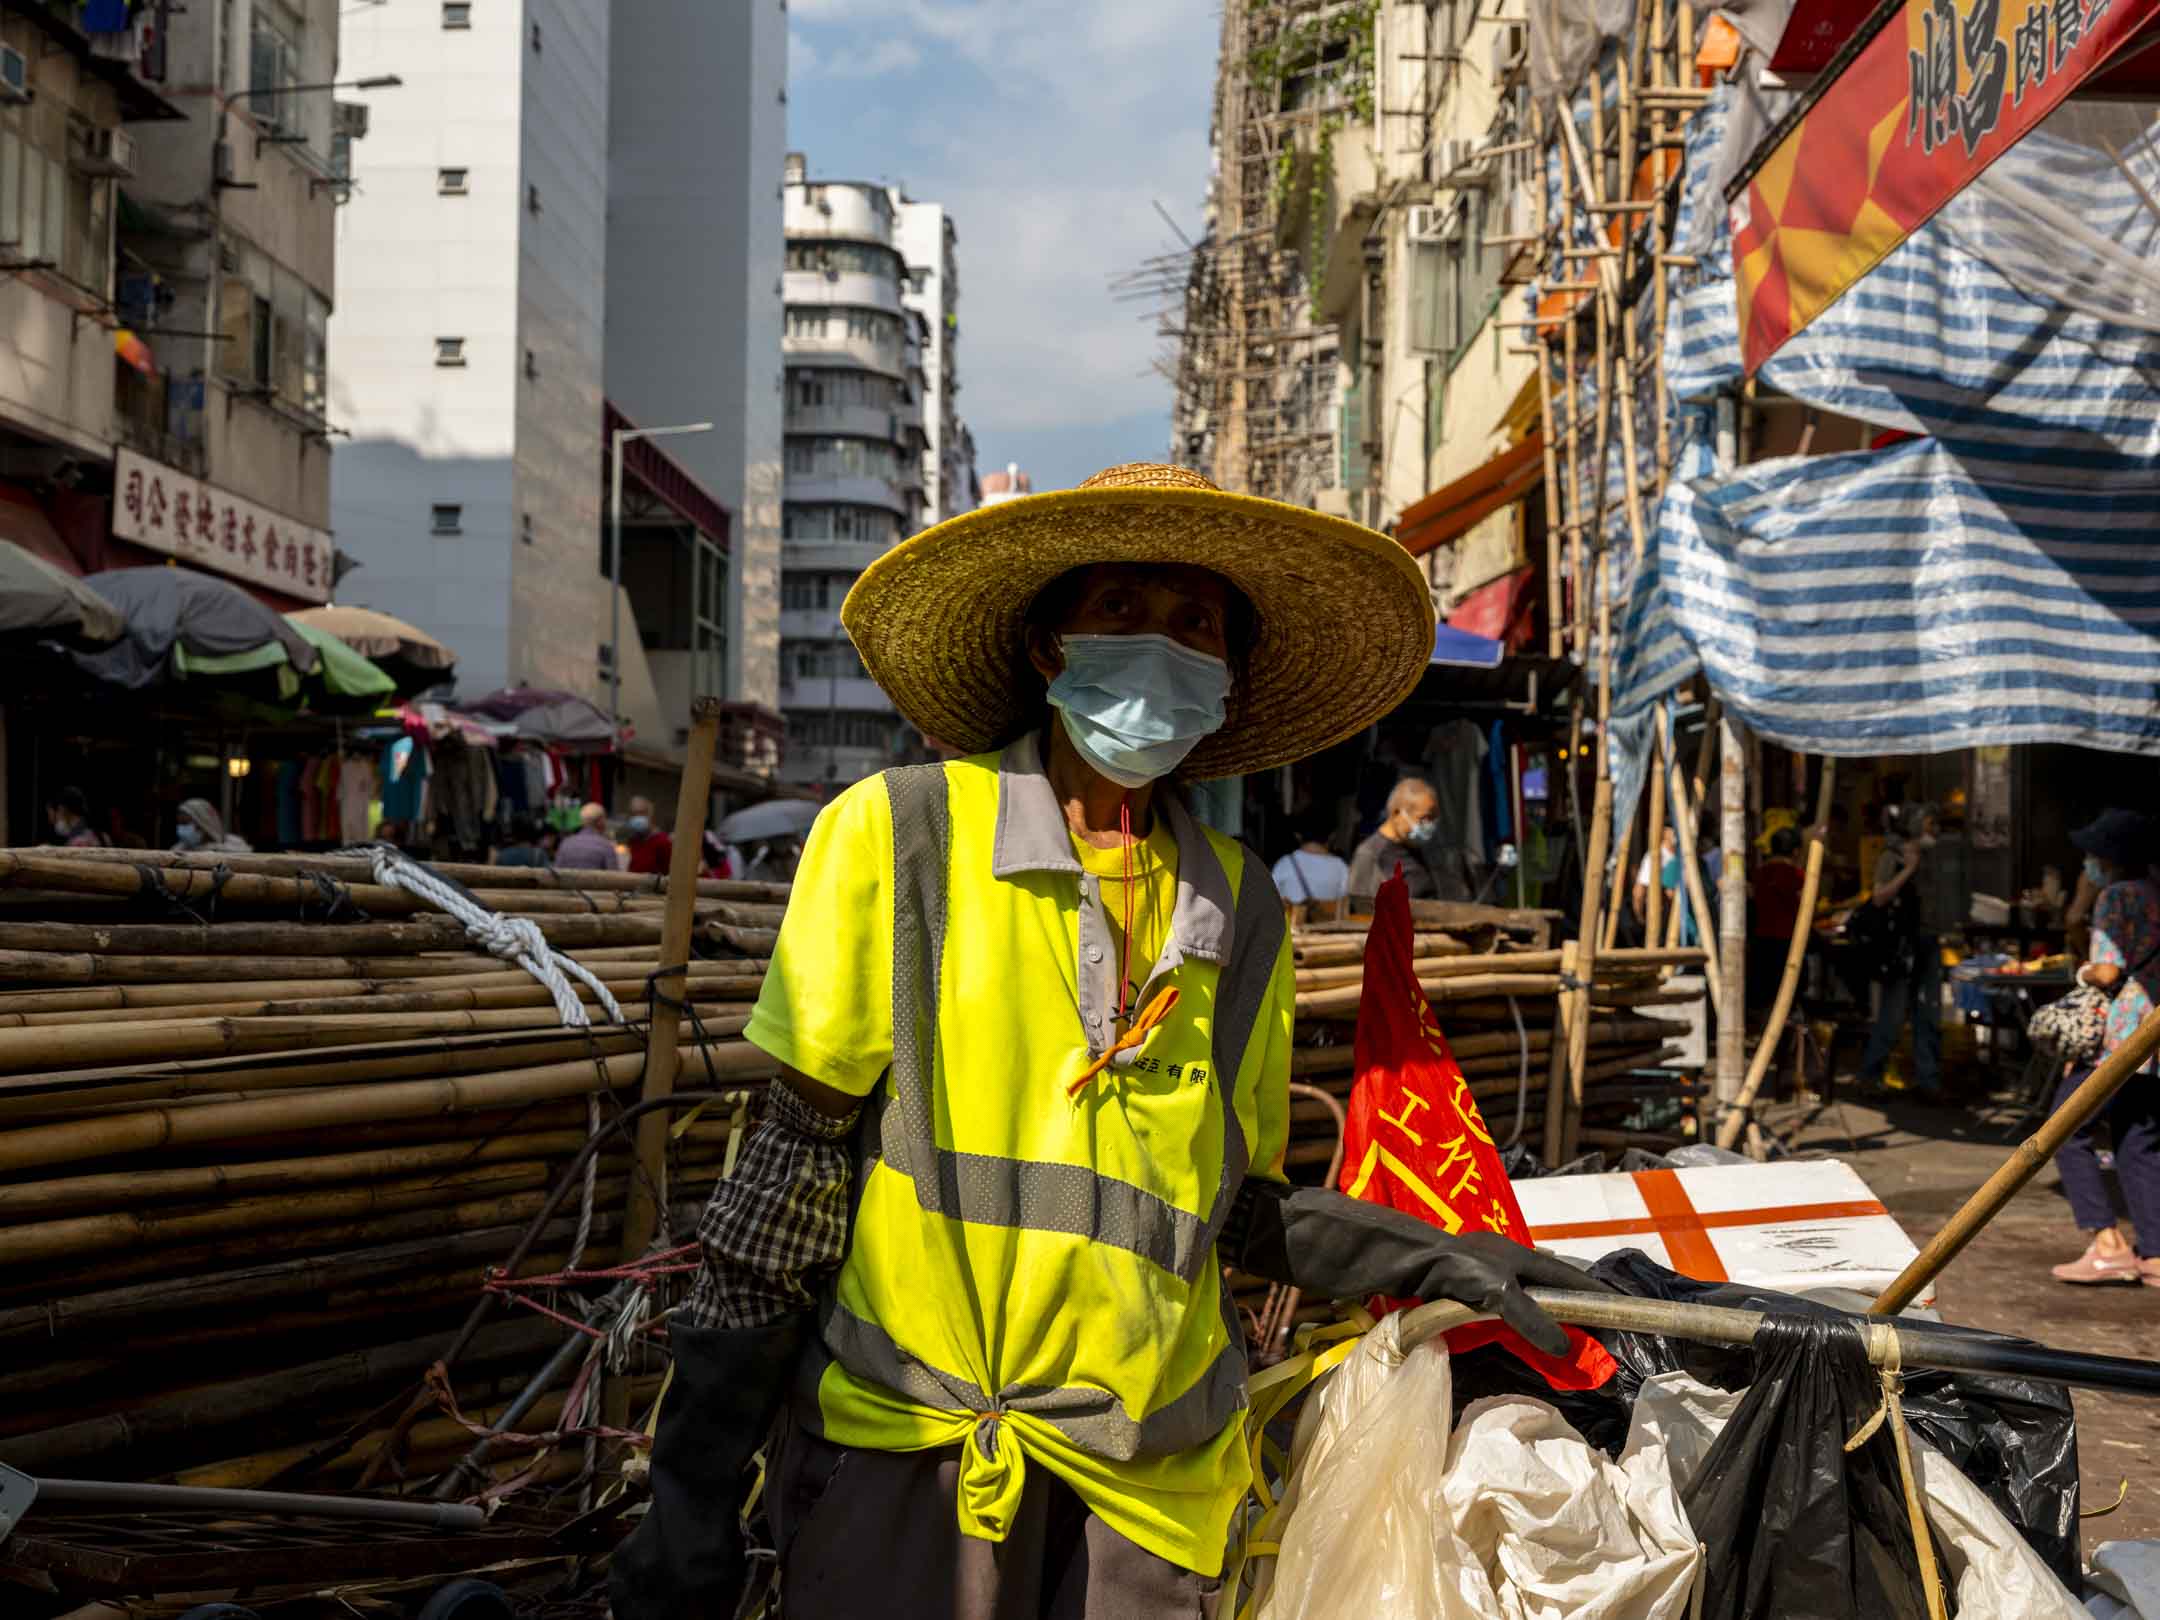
(532, 364)
(536, 39)
(447, 519)
(273, 64)
(525, 529)
(452, 182)
(532, 199)
(456, 14)
(449, 351)
(274, 328)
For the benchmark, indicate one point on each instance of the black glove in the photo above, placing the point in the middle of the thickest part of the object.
(685, 1561)
(1336, 1247)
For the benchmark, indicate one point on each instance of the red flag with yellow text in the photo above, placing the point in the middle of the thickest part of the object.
(1416, 1142)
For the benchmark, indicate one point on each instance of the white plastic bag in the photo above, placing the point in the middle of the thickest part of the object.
(1514, 1515)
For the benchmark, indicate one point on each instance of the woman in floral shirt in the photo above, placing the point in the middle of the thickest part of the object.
(2119, 851)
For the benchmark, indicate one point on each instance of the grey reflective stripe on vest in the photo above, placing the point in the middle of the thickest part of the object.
(922, 840)
(1035, 1195)
(1093, 1419)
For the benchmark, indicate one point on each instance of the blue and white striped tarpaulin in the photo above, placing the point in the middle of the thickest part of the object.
(1997, 581)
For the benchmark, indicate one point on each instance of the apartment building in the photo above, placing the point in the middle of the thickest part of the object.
(856, 452)
(929, 246)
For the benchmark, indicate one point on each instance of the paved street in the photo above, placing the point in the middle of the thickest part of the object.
(1923, 1163)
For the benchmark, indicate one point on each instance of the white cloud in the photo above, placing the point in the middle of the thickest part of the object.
(1048, 129)
(851, 60)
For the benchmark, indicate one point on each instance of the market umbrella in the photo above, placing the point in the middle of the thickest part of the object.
(568, 722)
(37, 597)
(775, 818)
(512, 701)
(344, 681)
(172, 609)
(407, 654)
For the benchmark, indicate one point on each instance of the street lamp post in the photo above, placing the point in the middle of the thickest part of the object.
(621, 437)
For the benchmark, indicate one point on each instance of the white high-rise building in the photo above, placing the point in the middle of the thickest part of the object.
(467, 343)
(856, 377)
(569, 226)
(928, 242)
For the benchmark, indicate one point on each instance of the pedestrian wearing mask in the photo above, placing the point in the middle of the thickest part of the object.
(201, 828)
(2125, 965)
(1412, 811)
(650, 848)
(68, 815)
(1908, 954)
(1033, 1021)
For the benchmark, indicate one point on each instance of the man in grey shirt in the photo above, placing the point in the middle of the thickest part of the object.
(1412, 819)
(589, 849)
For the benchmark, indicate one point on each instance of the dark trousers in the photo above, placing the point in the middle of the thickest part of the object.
(873, 1533)
(2133, 1121)
(1915, 992)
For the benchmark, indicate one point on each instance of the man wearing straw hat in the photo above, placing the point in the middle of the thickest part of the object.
(1034, 1024)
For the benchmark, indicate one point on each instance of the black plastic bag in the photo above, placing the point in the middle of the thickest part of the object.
(1795, 1525)
(2015, 1438)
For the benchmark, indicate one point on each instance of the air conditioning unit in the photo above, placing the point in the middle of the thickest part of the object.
(221, 163)
(1428, 223)
(14, 76)
(1510, 42)
(349, 119)
(104, 151)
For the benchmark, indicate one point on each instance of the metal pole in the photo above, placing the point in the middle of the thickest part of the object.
(614, 685)
(1732, 911)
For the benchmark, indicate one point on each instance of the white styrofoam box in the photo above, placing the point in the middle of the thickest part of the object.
(1793, 1226)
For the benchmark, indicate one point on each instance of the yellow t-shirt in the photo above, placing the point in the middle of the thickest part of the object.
(1153, 865)
(1004, 1307)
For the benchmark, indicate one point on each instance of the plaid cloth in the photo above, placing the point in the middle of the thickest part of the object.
(778, 1226)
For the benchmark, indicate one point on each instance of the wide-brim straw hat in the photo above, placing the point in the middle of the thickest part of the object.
(1343, 619)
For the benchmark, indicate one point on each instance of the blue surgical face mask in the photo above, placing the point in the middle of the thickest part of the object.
(1135, 706)
(190, 835)
(2094, 870)
(638, 826)
(1421, 832)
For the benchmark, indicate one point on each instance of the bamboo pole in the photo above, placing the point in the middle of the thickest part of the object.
(30, 1050)
(59, 874)
(1732, 919)
(1654, 851)
(251, 937)
(475, 974)
(1730, 1127)
(711, 987)
(357, 869)
(41, 1146)
(648, 1189)
(2070, 1116)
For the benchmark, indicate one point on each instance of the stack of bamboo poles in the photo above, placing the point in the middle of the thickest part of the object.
(256, 1154)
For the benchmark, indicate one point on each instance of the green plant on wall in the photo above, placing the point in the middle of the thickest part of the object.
(1332, 52)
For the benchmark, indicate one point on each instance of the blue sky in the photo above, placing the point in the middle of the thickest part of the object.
(1049, 128)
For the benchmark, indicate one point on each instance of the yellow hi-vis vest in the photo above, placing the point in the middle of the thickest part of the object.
(1032, 1276)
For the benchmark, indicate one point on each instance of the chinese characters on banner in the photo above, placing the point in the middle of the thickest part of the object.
(1416, 1142)
(1941, 92)
(165, 510)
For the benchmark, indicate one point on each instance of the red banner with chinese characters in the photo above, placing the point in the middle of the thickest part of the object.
(1416, 1141)
(1940, 92)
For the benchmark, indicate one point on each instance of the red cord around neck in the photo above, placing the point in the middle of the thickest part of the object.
(1125, 838)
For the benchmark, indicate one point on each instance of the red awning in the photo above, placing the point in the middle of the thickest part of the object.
(1447, 514)
(23, 521)
(1499, 610)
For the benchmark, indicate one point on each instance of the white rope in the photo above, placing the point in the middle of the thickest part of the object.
(516, 940)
